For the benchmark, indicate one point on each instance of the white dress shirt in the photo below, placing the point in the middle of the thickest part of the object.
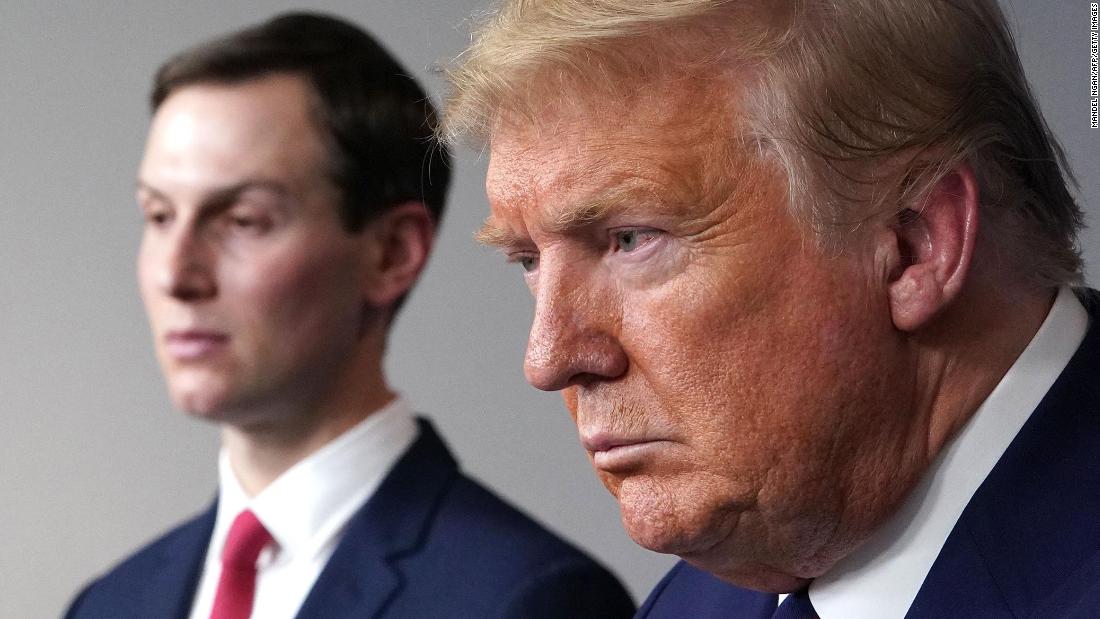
(881, 578)
(306, 510)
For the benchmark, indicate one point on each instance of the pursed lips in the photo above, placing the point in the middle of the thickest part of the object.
(612, 452)
(194, 344)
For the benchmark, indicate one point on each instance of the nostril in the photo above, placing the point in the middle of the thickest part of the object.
(191, 283)
(584, 358)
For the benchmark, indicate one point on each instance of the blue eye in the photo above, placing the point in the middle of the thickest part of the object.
(628, 240)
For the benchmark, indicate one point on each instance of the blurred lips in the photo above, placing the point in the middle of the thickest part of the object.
(194, 344)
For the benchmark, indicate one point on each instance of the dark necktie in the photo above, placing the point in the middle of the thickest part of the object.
(796, 606)
(237, 585)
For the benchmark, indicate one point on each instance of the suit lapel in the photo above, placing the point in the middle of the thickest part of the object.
(1032, 525)
(170, 590)
(362, 578)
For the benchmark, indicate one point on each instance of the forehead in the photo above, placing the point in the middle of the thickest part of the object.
(673, 139)
(213, 133)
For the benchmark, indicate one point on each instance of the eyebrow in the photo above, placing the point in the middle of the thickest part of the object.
(222, 195)
(621, 198)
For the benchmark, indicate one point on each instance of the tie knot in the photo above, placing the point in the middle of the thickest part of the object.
(247, 537)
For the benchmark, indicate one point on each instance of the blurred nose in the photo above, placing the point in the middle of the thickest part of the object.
(573, 336)
(185, 271)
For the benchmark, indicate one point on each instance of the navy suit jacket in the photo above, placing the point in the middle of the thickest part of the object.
(1027, 544)
(430, 543)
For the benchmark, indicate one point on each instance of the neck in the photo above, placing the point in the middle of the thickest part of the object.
(957, 361)
(261, 451)
(971, 348)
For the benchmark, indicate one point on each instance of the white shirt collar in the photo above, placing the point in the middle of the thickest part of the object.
(881, 578)
(307, 507)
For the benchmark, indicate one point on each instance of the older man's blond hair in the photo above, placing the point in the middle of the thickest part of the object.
(864, 104)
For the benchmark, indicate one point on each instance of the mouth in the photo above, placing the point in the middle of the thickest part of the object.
(194, 344)
(614, 454)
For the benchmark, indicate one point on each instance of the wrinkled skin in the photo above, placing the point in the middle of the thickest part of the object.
(743, 394)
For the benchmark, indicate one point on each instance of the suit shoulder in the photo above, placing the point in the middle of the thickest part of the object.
(506, 530)
(689, 592)
(535, 572)
(575, 587)
(154, 552)
(180, 550)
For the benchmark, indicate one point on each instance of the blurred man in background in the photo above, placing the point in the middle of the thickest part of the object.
(290, 187)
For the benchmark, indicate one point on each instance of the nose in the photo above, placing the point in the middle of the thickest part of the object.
(574, 334)
(185, 269)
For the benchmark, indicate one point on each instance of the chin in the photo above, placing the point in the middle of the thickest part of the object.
(203, 392)
(206, 408)
(205, 403)
(664, 518)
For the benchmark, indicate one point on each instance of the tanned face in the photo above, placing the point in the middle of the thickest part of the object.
(741, 392)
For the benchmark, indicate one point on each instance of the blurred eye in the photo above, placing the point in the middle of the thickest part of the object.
(248, 222)
(156, 217)
(630, 239)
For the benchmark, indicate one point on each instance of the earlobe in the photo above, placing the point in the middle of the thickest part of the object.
(400, 241)
(933, 244)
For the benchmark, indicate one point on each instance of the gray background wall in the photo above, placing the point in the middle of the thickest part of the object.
(93, 460)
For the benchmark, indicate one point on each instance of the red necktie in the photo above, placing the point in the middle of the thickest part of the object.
(247, 537)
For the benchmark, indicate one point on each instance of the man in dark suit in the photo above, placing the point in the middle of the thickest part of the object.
(803, 272)
(290, 187)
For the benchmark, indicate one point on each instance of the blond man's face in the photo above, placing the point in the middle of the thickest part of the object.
(734, 385)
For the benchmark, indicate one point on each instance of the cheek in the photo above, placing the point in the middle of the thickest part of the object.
(145, 278)
(296, 299)
(703, 337)
(751, 358)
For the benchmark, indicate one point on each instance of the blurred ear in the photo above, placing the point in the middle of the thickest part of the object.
(399, 242)
(929, 249)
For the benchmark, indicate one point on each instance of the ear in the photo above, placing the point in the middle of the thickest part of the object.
(399, 242)
(929, 249)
